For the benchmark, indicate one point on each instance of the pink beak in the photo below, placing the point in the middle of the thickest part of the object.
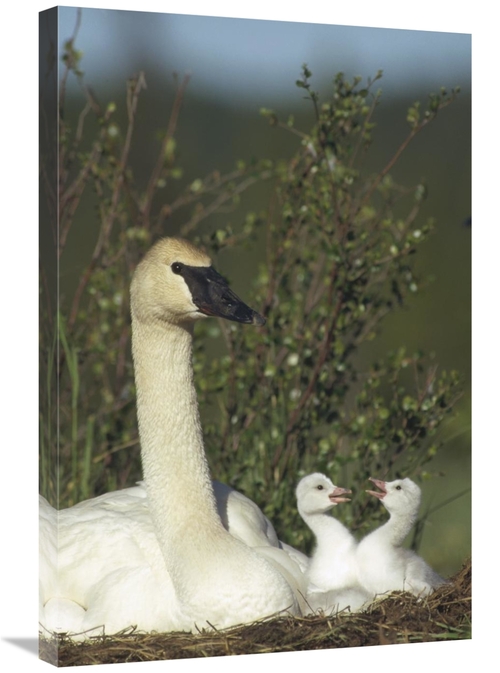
(337, 492)
(379, 484)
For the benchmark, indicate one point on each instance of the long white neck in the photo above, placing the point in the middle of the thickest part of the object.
(332, 563)
(395, 530)
(327, 529)
(180, 493)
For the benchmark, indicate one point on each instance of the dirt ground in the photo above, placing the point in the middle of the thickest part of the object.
(399, 618)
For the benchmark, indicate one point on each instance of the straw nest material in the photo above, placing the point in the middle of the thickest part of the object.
(397, 618)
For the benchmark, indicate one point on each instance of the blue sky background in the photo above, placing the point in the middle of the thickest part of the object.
(248, 60)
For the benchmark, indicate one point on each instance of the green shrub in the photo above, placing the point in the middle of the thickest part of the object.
(279, 401)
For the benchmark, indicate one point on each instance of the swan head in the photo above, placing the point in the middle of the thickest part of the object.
(401, 496)
(176, 283)
(316, 494)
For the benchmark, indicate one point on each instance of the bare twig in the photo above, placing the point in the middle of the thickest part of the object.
(69, 65)
(414, 131)
(220, 200)
(160, 162)
(134, 90)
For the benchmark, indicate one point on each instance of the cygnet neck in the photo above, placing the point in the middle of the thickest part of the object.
(397, 528)
(323, 525)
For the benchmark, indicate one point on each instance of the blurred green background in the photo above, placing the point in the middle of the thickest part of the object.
(240, 66)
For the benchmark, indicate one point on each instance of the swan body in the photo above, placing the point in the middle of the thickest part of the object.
(243, 519)
(383, 565)
(332, 576)
(159, 555)
(115, 532)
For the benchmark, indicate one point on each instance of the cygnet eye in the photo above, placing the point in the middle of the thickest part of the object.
(176, 267)
(399, 488)
(319, 487)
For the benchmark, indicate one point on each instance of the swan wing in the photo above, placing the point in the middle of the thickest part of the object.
(243, 518)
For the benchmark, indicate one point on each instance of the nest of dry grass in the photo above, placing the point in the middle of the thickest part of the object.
(399, 618)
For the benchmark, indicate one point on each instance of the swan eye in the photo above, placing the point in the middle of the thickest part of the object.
(176, 267)
(320, 487)
(399, 488)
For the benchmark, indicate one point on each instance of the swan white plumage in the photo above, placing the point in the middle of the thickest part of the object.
(243, 518)
(332, 576)
(383, 565)
(157, 555)
(111, 537)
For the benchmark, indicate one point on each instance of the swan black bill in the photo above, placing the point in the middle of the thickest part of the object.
(213, 296)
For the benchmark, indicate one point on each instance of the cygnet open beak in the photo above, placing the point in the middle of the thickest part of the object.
(337, 492)
(212, 296)
(379, 484)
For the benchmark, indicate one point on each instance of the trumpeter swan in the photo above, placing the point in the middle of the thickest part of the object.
(383, 564)
(332, 577)
(158, 556)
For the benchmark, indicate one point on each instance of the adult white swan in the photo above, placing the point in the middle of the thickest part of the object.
(332, 576)
(383, 564)
(161, 558)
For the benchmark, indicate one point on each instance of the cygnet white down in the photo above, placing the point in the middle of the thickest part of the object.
(332, 577)
(383, 565)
